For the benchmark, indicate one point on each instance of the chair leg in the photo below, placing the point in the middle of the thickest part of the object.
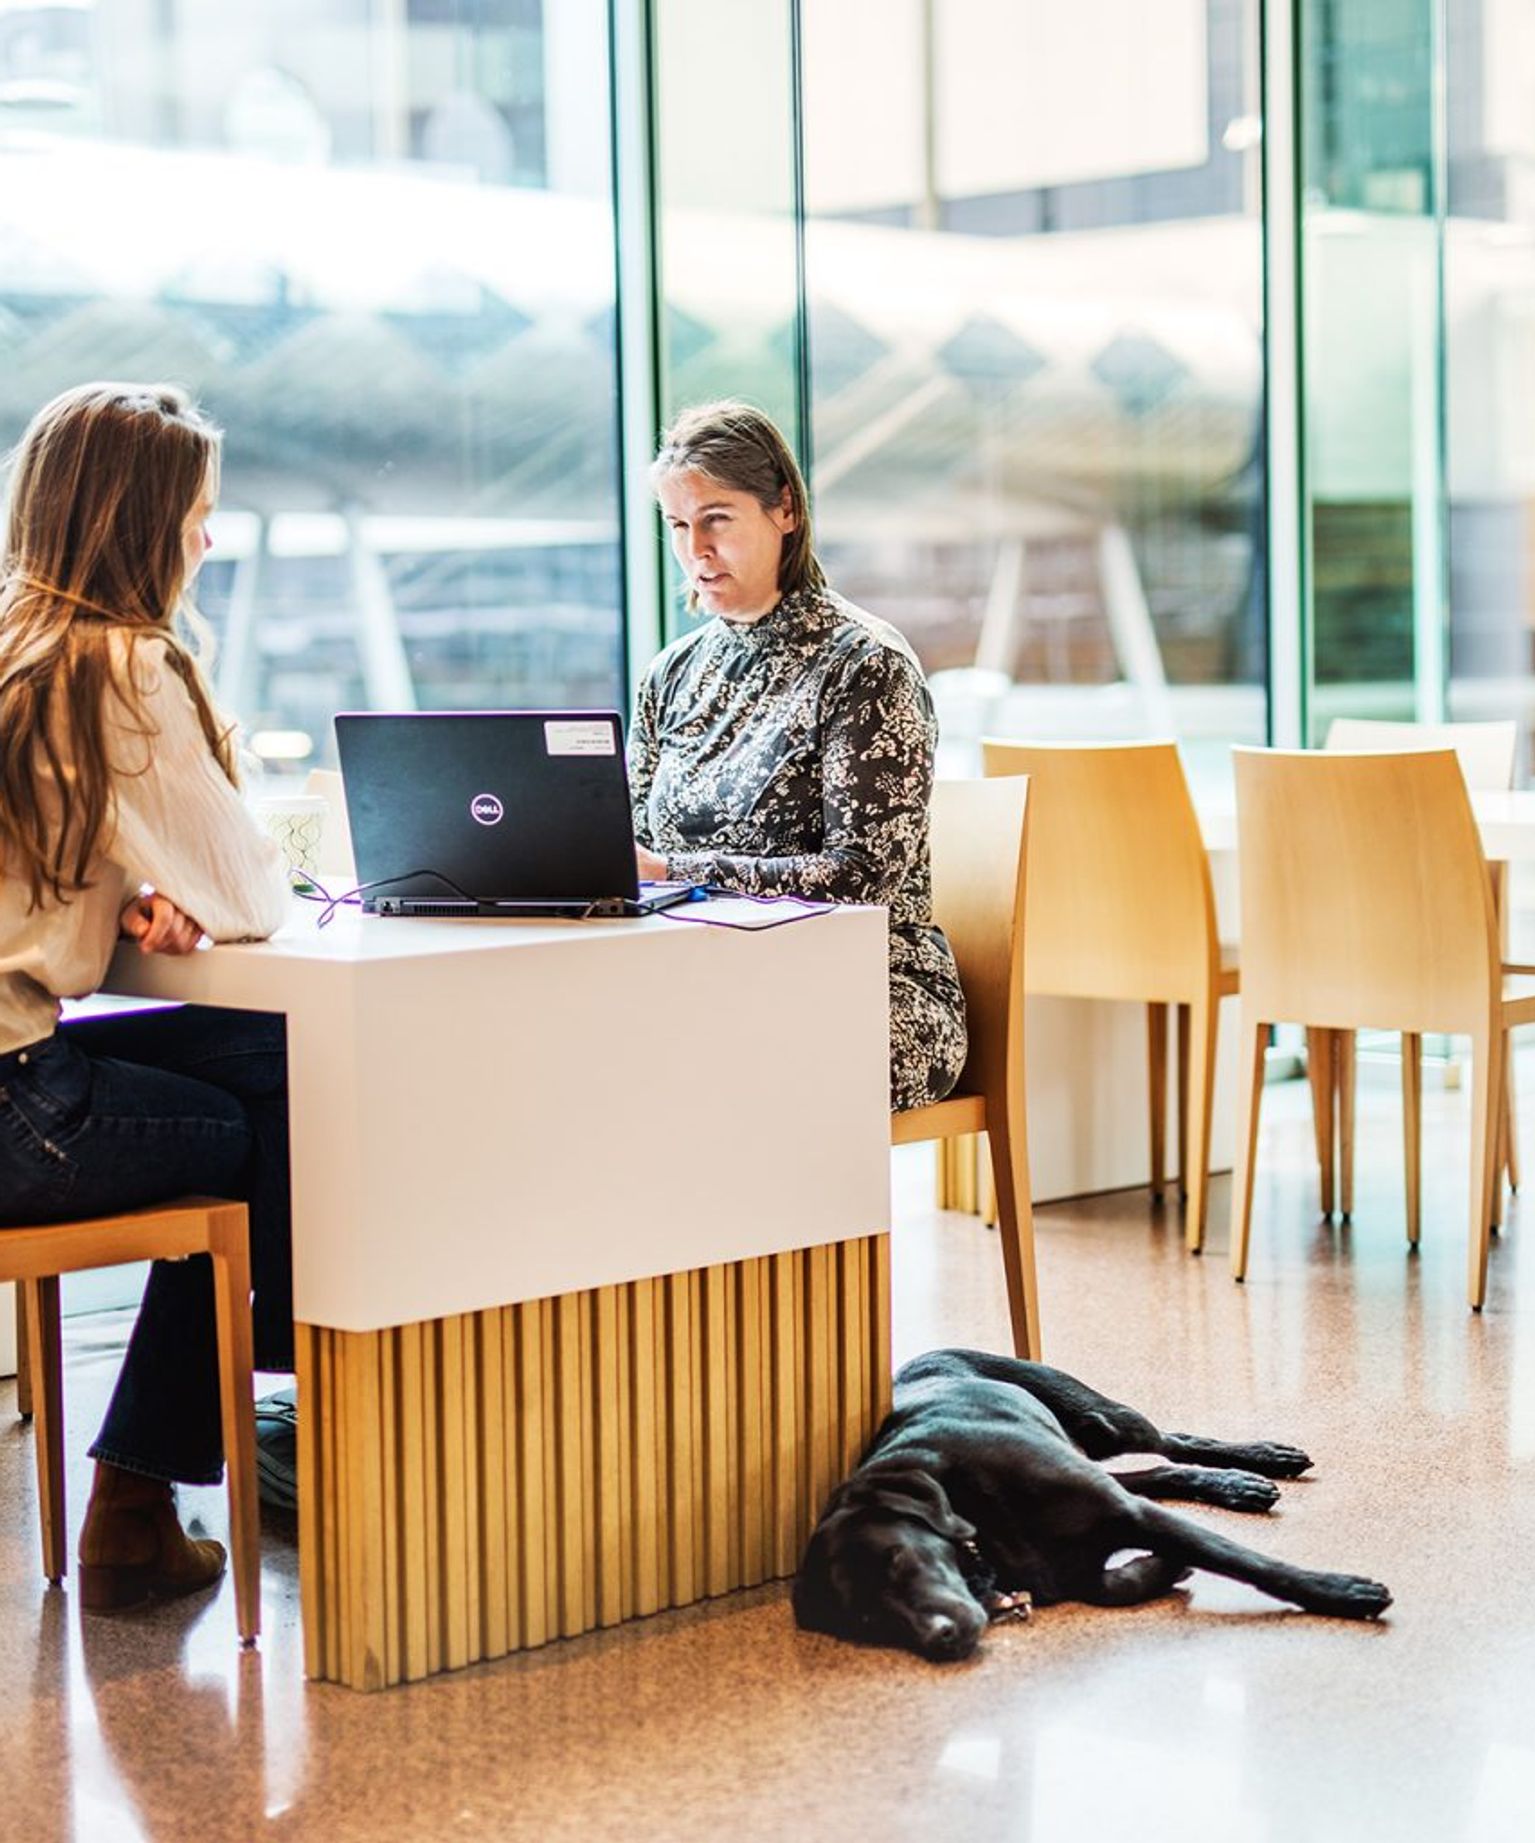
(985, 1182)
(1486, 1074)
(1319, 1067)
(1204, 1023)
(1412, 1131)
(1015, 1227)
(23, 1362)
(942, 1180)
(1345, 1072)
(1510, 1114)
(40, 1305)
(1156, 1074)
(232, 1301)
(1183, 1103)
(1249, 1101)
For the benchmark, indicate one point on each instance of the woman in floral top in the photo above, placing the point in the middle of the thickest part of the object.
(786, 746)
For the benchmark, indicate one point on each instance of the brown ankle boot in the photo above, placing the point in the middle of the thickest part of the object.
(133, 1547)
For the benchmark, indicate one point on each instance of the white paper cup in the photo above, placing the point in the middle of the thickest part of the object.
(297, 822)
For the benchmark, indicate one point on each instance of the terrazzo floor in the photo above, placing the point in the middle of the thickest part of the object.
(1211, 1715)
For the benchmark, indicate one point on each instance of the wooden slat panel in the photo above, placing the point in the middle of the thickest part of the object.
(607, 1424)
(751, 1480)
(880, 1359)
(820, 1378)
(571, 1530)
(586, 1305)
(681, 1497)
(454, 1559)
(431, 1509)
(314, 1500)
(363, 1497)
(647, 1446)
(715, 1430)
(474, 1581)
(787, 1411)
(698, 1384)
(387, 1344)
(730, 1356)
(549, 1356)
(495, 1640)
(511, 1434)
(532, 1418)
(346, 1622)
(852, 1351)
(623, 1326)
(417, 1587)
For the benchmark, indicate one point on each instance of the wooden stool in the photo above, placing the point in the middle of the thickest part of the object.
(35, 1257)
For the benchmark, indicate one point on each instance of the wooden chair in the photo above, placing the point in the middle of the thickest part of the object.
(1121, 907)
(1367, 904)
(1486, 753)
(35, 1257)
(979, 841)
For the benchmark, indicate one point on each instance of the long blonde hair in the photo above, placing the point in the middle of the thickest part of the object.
(740, 447)
(103, 483)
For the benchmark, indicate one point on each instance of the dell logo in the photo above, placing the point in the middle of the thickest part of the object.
(486, 810)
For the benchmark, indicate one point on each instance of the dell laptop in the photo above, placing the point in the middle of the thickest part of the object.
(499, 812)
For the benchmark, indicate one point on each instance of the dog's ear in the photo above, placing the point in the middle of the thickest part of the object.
(817, 1605)
(907, 1491)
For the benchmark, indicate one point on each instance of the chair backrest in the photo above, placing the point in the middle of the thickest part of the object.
(1365, 894)
(1120, 900)
(979, 837)
(1486, 751)
(335, 836)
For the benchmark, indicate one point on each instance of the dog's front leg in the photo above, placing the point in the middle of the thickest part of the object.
(1267, 1457)
(1198, 1484)
(1180, 1539)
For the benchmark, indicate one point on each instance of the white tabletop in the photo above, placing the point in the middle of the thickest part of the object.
(489, 1111)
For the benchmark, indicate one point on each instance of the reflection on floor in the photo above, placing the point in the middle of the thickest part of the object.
(1210, 1717)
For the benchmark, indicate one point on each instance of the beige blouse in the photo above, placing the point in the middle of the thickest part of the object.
(180, 827)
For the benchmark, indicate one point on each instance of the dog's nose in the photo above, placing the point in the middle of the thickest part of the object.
(944, 1638)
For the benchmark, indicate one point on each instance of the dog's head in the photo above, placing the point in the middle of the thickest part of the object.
(884, 1566)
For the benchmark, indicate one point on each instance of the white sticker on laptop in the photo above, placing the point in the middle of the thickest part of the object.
(579, 738)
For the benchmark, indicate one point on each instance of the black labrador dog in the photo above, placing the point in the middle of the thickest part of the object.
(980, 1494)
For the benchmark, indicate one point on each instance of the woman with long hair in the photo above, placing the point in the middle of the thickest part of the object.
(120, 815)
(786, 746)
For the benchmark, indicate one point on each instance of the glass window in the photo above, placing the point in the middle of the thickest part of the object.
(376, 238)
(1034, 270)
(1371, 334)
(728, 277)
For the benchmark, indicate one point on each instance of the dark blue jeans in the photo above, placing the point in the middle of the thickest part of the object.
(113, 1114)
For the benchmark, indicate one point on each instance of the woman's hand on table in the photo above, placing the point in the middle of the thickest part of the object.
(652, 869)
(158, 925)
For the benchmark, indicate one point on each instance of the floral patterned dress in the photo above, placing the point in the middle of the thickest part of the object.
(794, 755)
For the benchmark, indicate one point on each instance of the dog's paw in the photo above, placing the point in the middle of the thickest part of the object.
(1352, 1596)
(1243, 1491)
(1276, 1461)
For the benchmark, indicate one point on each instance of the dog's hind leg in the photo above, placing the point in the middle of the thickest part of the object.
(1265, 1456)
(1099, 1425)
(1230, 1490)
(1178, 1539)
(1133, 1582)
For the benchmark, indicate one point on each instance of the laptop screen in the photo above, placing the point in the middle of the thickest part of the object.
(496, 806)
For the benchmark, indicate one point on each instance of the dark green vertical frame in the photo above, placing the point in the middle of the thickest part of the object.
(1287, 530)
(638, 396)
(804, 433)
